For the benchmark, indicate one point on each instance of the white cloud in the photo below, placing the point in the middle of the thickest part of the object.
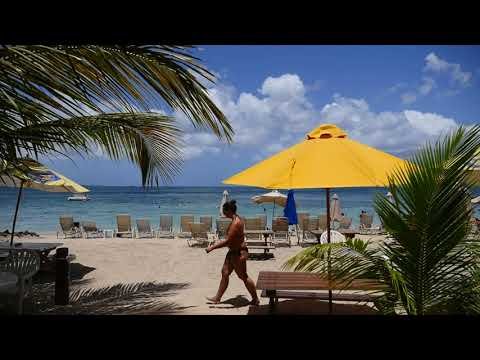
(284, 87)
(396, 132)
(435, 64)
(280, 115)
(427, 86)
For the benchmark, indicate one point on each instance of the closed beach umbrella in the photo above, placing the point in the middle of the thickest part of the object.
(225, 198)
(290, 210)
(389, 197)
(327, 158)
(275, 197)
(35, 176)
(335, 209)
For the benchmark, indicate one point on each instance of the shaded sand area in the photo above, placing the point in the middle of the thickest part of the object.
(188, 274)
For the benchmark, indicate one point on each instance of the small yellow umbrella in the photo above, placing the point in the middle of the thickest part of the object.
(31, 174)
(474, 169)
(325, 159)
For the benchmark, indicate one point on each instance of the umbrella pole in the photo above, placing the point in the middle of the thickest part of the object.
(16, 212)
(273, 213)
(328, 240)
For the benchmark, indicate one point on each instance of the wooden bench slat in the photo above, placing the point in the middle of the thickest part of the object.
(306, 281)
(319, 296)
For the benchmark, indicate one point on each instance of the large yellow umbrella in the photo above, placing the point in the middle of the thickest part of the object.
(327, 158)
(31, 174)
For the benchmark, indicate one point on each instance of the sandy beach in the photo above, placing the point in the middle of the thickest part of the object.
(112, 261)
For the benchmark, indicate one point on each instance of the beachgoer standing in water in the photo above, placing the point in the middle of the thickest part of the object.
(237, 255)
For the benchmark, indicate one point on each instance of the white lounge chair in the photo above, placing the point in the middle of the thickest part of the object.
(280, 231)
(207, 220)
(199, 234)
(309, 223)
(253, 224)
(144, 230)
(165, 229)
(366, 225)
(185, 225)
(68, 228)
(124, 226)
(222, 225)
(90, 230)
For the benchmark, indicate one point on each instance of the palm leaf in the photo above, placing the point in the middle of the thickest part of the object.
(55, 84)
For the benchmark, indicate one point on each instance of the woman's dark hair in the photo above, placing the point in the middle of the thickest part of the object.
(230, 206)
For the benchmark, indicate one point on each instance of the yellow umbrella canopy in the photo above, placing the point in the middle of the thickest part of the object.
(38, 176)
(475, 169)
(31, 174)
(327, 158)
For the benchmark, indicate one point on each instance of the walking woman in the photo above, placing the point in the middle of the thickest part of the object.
(237, 255)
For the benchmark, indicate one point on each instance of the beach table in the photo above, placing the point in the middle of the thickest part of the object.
(266, 234)
(43, 249)
(317, 233)
(348, 233)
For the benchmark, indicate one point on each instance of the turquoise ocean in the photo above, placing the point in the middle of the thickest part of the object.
(39, 211)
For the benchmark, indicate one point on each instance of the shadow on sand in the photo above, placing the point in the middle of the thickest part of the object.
(312, 307)
(77, 272)
(143, 298)
(236, 302)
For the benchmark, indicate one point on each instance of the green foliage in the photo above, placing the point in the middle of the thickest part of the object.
(54, 99)
(429, 264)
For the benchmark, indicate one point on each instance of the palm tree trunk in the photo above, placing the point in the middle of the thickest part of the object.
(16, 212)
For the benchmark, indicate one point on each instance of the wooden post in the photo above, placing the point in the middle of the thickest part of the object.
(62, 277)
(330, 305)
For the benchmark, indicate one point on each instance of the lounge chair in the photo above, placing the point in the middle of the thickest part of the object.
(89, 230)
(263, 220)
(300, 228)
(366, 225)
(24, 264)
(199, 233)
(335, 237)
(310, 223)
(322, 222)
(185, 225)
(144, 229)
(222, 226)
(344, 223)
(165, 229)
(207, 220)
(253, 224)
(280, 230)
(124, 226)
(68, 228)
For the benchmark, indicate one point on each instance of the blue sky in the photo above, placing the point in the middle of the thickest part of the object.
(390, 97)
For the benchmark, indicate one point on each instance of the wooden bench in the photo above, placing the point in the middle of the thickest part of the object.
(278, 284)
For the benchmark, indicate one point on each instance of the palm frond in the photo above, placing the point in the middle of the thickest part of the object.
(45, 91)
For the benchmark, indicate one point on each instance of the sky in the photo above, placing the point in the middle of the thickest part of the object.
(394, 98)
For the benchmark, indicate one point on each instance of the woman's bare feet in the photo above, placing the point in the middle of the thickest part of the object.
(213, 300)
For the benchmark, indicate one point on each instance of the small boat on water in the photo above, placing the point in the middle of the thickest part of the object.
(78, 197)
